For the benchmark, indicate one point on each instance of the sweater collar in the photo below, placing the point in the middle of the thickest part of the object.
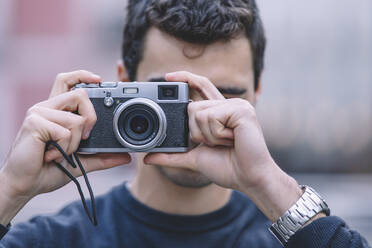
(183, 223)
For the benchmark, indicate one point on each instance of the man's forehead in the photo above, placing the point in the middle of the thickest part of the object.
(157, 40)
(225, 62)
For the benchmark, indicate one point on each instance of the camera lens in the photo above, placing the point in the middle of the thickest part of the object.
(140, 124)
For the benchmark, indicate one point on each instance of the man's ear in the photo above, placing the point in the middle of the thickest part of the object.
(122, 72)
(258, 91)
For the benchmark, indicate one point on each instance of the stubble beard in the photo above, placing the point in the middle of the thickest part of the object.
(184, 177)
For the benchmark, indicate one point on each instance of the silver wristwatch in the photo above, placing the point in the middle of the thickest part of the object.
(309, 205)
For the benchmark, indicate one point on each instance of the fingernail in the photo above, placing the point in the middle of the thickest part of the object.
(96, 76)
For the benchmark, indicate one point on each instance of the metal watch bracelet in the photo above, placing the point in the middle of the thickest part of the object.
(309, 205)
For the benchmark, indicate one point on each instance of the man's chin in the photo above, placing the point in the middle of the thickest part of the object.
(184, 177)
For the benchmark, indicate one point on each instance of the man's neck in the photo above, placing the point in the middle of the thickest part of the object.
(156, 191)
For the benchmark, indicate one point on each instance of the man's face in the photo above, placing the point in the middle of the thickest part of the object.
(228, 64)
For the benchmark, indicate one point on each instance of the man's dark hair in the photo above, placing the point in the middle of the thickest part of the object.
(194, 21)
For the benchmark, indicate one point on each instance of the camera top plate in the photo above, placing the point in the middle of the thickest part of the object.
(144, 89)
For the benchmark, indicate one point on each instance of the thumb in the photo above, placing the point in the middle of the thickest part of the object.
(104, 161)
(176, 160)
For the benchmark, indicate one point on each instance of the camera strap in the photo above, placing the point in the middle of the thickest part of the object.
(70, 160)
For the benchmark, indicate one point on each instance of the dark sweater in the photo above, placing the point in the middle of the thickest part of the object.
(125, 222)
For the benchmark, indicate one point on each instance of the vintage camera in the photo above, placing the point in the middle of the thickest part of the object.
(138, 117)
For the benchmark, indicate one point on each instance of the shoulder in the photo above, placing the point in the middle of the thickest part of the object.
(67, 228)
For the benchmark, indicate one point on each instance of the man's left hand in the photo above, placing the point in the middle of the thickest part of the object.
(232, 151)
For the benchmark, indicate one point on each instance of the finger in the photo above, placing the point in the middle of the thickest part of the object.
(65, 81)
(193, 108)
(203, 119)
(213, 114)
(234, 110)
(91, 163)
(219, 131)
(52, 154)
(200, 105)
(199, 83)
(100, 161)
(76, 100)
(175, 160)
(68, 120)
(45, 130)
(200, 159)
(195, 132)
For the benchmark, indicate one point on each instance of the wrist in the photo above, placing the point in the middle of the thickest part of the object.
(275, 193)
(10, 203)
(309, 207)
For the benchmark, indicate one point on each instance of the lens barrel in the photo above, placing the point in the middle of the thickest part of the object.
(140, 124)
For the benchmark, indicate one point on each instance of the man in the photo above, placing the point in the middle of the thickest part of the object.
(176, 200)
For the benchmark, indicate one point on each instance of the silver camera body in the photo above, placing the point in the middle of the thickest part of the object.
(138, 117)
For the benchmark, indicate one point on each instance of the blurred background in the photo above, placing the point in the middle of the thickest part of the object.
(315, 107)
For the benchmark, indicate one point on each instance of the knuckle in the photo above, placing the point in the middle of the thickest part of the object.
(94, 118)
(31, 121)
(244, 105)
(195, 137)
(185, 73)
(66, 134)
(81, 72)
(249, 110)
(33, 110)
(80, 93)
(239, 101)
(192, 136)
(80, 121)
(199, 116)
(91, 118)
(60, 76)
(248, 107)
(211, 116)
(192, 107)
(204, 80)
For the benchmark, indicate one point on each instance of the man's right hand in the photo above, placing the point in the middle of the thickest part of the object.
(66, 119)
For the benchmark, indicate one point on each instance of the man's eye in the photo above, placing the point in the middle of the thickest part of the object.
(227, 96)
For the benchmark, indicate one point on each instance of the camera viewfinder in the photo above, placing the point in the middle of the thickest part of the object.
(168, 92)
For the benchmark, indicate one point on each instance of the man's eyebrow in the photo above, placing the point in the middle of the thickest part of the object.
(157, 79)
(232, 91)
